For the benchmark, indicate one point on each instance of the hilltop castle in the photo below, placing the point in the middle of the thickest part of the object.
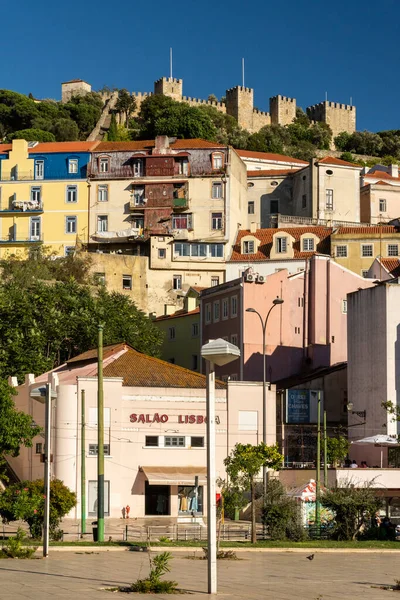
(240, 105)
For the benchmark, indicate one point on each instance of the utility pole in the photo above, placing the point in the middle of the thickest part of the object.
(318, 474)
(47, 460)
(83, 465)
(100, 438)
(325, 453)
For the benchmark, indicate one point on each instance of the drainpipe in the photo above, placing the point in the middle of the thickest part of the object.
(305, 308)
(88, 224)
(328, 305)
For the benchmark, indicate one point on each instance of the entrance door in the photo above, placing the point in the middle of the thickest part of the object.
(157, 499)
(92, 499)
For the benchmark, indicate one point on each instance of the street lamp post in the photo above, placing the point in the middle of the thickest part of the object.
(264, 323)
(217, 352)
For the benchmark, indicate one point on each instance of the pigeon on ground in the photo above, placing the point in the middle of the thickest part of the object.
(311, 557)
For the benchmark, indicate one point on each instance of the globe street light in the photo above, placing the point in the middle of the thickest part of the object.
(217, 352)
(264, 323)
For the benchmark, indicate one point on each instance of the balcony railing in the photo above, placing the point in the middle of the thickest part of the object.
(30, 176)
(181, 202)
(23, 206)
(18, 239)
(116, 173)
(276, 220)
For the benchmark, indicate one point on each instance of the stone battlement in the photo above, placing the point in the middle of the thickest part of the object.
(189, 99)
(142, 95)
(283, 98)
(336, 105)
(169, 80)
(240, 88)
(262, 113)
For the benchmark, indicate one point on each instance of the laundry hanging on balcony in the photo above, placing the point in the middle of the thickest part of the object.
(118, 235)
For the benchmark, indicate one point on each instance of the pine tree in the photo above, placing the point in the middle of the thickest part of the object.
(112, 134)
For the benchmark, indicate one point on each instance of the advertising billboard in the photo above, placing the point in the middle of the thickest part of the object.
(302, 406)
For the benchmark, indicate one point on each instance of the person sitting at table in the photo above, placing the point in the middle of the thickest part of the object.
(354, 465)
(364, 464)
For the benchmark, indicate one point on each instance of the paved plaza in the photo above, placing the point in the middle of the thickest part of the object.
(275, 576)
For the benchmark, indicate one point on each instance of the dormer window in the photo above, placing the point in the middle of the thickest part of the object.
(217, 161)
(248, 247)
(281, 245)
(308, 244)
(73, 166)
(138, 167)
(104, 164)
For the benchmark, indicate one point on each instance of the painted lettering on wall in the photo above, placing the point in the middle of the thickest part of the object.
(157, 418)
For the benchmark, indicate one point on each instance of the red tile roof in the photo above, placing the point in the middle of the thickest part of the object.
(392, 265)
(266, 236)
(331, 160)
(271, 173)
(179, 313)
(270, 156)
(381, 175)
(367, 230)
(143, 144)
(44, 147)
(92, 354)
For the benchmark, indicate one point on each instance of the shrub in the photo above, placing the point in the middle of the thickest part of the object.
(13, 547)
(281, 514)
(159, 565)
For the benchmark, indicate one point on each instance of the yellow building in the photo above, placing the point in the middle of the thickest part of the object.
(43, 196)
(357, 247)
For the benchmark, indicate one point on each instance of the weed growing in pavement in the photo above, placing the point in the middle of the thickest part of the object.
(14, 546)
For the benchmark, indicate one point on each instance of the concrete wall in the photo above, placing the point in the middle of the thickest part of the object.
(266, 190)
(354, 242)
(235, 269)
(369, 199)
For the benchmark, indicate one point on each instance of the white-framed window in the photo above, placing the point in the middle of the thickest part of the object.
(329, 199)
(71, 224)
(36, 194)
(208, 313)
(39, 448)
(195, 362)
(234, 339)
(195, 330)
(225, 308)
(71, 194)
(183, 166)
(382, 205)
(172, 441)
(281, 245)
(250, 207)
(393, 250)
(214, 281)
(126, 282)
(341, 251)
(344, 307)
(364, 272)
(138, 167)
(198, 250)
(182, 249)
(216, 250)
(104, 164)
(102, 223)
(248, 247)
(102, 193)
(94, 449)
(308, 244)
(367, 250)
(216, 190)
(138, 195)
(162, 253)
(69, 250)
(171, 333)
(216, 220)
(217, 161)
(39, 169)
(184, 221)
(100, 278)
(233, 306)
(73, 166)
(92, 498)
(216, 311)
(177, 282)
(35, 228)
(137, 222)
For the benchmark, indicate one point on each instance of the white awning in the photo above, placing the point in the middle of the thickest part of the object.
(174, 475)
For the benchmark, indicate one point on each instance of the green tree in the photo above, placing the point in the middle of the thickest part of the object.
(212, 98)
(32, 135)
(365, 142)
(25, 501)
(337, 449)
(281, 514)
(16, 428)
(243, 467)
(65, 130)
(342, 141)
(271, 138)
(353, 509)
(112, 133)
(301, 118)
(320, 135)
(126, 104)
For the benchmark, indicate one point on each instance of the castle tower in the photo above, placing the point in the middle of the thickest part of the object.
(239, 104)
(339, 117)
(75, 87)
(169, 86)
(282, 110)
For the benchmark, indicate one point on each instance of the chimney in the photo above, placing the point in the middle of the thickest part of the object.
(12, 381)
(191, 303)
(29, 379)
(254, 226)
(161, 144)
(394, 170)
(169, 309)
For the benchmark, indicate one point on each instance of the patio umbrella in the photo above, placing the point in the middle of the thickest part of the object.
(379, 441)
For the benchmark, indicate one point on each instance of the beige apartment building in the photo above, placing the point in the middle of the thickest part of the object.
(163, 216)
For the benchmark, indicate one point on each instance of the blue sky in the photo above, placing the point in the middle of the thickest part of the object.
(297, 48)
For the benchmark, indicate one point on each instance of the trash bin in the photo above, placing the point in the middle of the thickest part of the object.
(236, 514)
(95, 531)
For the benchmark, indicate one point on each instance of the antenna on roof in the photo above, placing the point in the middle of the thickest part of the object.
(170, 63)
(242, 72)
(351, 100)
(326, 96)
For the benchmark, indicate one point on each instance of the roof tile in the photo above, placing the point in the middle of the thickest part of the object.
(367, 230)
(392, 265)
(143, 144)
(270, 156)
(271, 173)
(331, 160)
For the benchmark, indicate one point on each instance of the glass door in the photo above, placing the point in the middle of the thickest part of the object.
(92, 498)
(35, 229)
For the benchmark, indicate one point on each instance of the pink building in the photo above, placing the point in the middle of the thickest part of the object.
(154, 434)
(307, 331)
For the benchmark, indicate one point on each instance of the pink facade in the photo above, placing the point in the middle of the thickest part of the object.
(307, 331)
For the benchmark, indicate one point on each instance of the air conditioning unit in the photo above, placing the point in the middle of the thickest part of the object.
(250, 277)
(261, 279)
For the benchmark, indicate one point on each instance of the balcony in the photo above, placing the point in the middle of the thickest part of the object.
(23, 206)
(278, 220)
(134, 205)
(30, 176)
(180, 203)
(19, 240)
